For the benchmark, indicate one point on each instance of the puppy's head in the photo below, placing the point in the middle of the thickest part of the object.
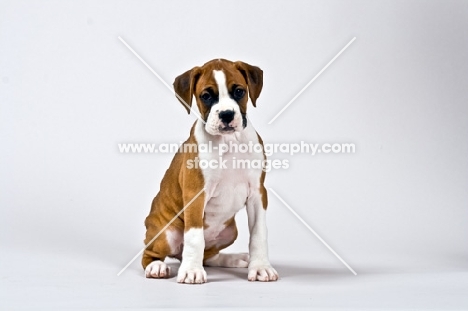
(221, 89)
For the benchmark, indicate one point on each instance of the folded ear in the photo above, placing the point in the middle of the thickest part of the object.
(184, 86)
(254, 77)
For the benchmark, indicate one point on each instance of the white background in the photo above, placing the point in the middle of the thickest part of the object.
(72, 207)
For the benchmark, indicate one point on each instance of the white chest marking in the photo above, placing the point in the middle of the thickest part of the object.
(227, 189)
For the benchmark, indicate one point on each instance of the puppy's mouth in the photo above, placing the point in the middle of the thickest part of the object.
(226, 129)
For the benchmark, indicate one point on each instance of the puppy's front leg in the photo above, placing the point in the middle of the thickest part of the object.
(191, 269)
(260, 268)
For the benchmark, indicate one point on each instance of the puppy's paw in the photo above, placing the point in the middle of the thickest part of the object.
(238, 260)
(262, 273)
(157, 270)
(191, 275)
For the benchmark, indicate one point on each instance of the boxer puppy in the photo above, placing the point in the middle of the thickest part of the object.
(208, 197)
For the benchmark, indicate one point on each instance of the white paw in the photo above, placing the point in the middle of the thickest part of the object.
(240, 260)
(262, 273)
(157, 270)
(191, 275)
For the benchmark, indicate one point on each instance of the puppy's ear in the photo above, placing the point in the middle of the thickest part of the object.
(184, 86)
(254, 77)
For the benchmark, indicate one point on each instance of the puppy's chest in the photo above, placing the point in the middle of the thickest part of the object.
(229, 187)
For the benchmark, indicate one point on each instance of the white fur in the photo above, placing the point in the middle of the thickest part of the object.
(191, 269)
(175, 239)
(157, 269)
(259, 265)
(229, 260)
(227, 189)
(220, 79)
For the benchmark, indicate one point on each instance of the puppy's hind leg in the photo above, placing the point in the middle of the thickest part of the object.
(157, 270)
(238, 260)
(155, 253)
(225, 238)
(153, 261)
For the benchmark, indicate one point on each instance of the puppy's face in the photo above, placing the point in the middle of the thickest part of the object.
(221, 89)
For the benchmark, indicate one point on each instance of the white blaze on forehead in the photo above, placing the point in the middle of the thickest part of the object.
(220, 79)
(225, 103)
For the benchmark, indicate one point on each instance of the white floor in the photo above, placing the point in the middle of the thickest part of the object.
(46, 280)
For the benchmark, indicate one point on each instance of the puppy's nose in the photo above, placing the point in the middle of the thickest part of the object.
(226, 116)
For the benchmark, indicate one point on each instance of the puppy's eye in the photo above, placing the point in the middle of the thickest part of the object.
(239, 93)
(205, 96)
